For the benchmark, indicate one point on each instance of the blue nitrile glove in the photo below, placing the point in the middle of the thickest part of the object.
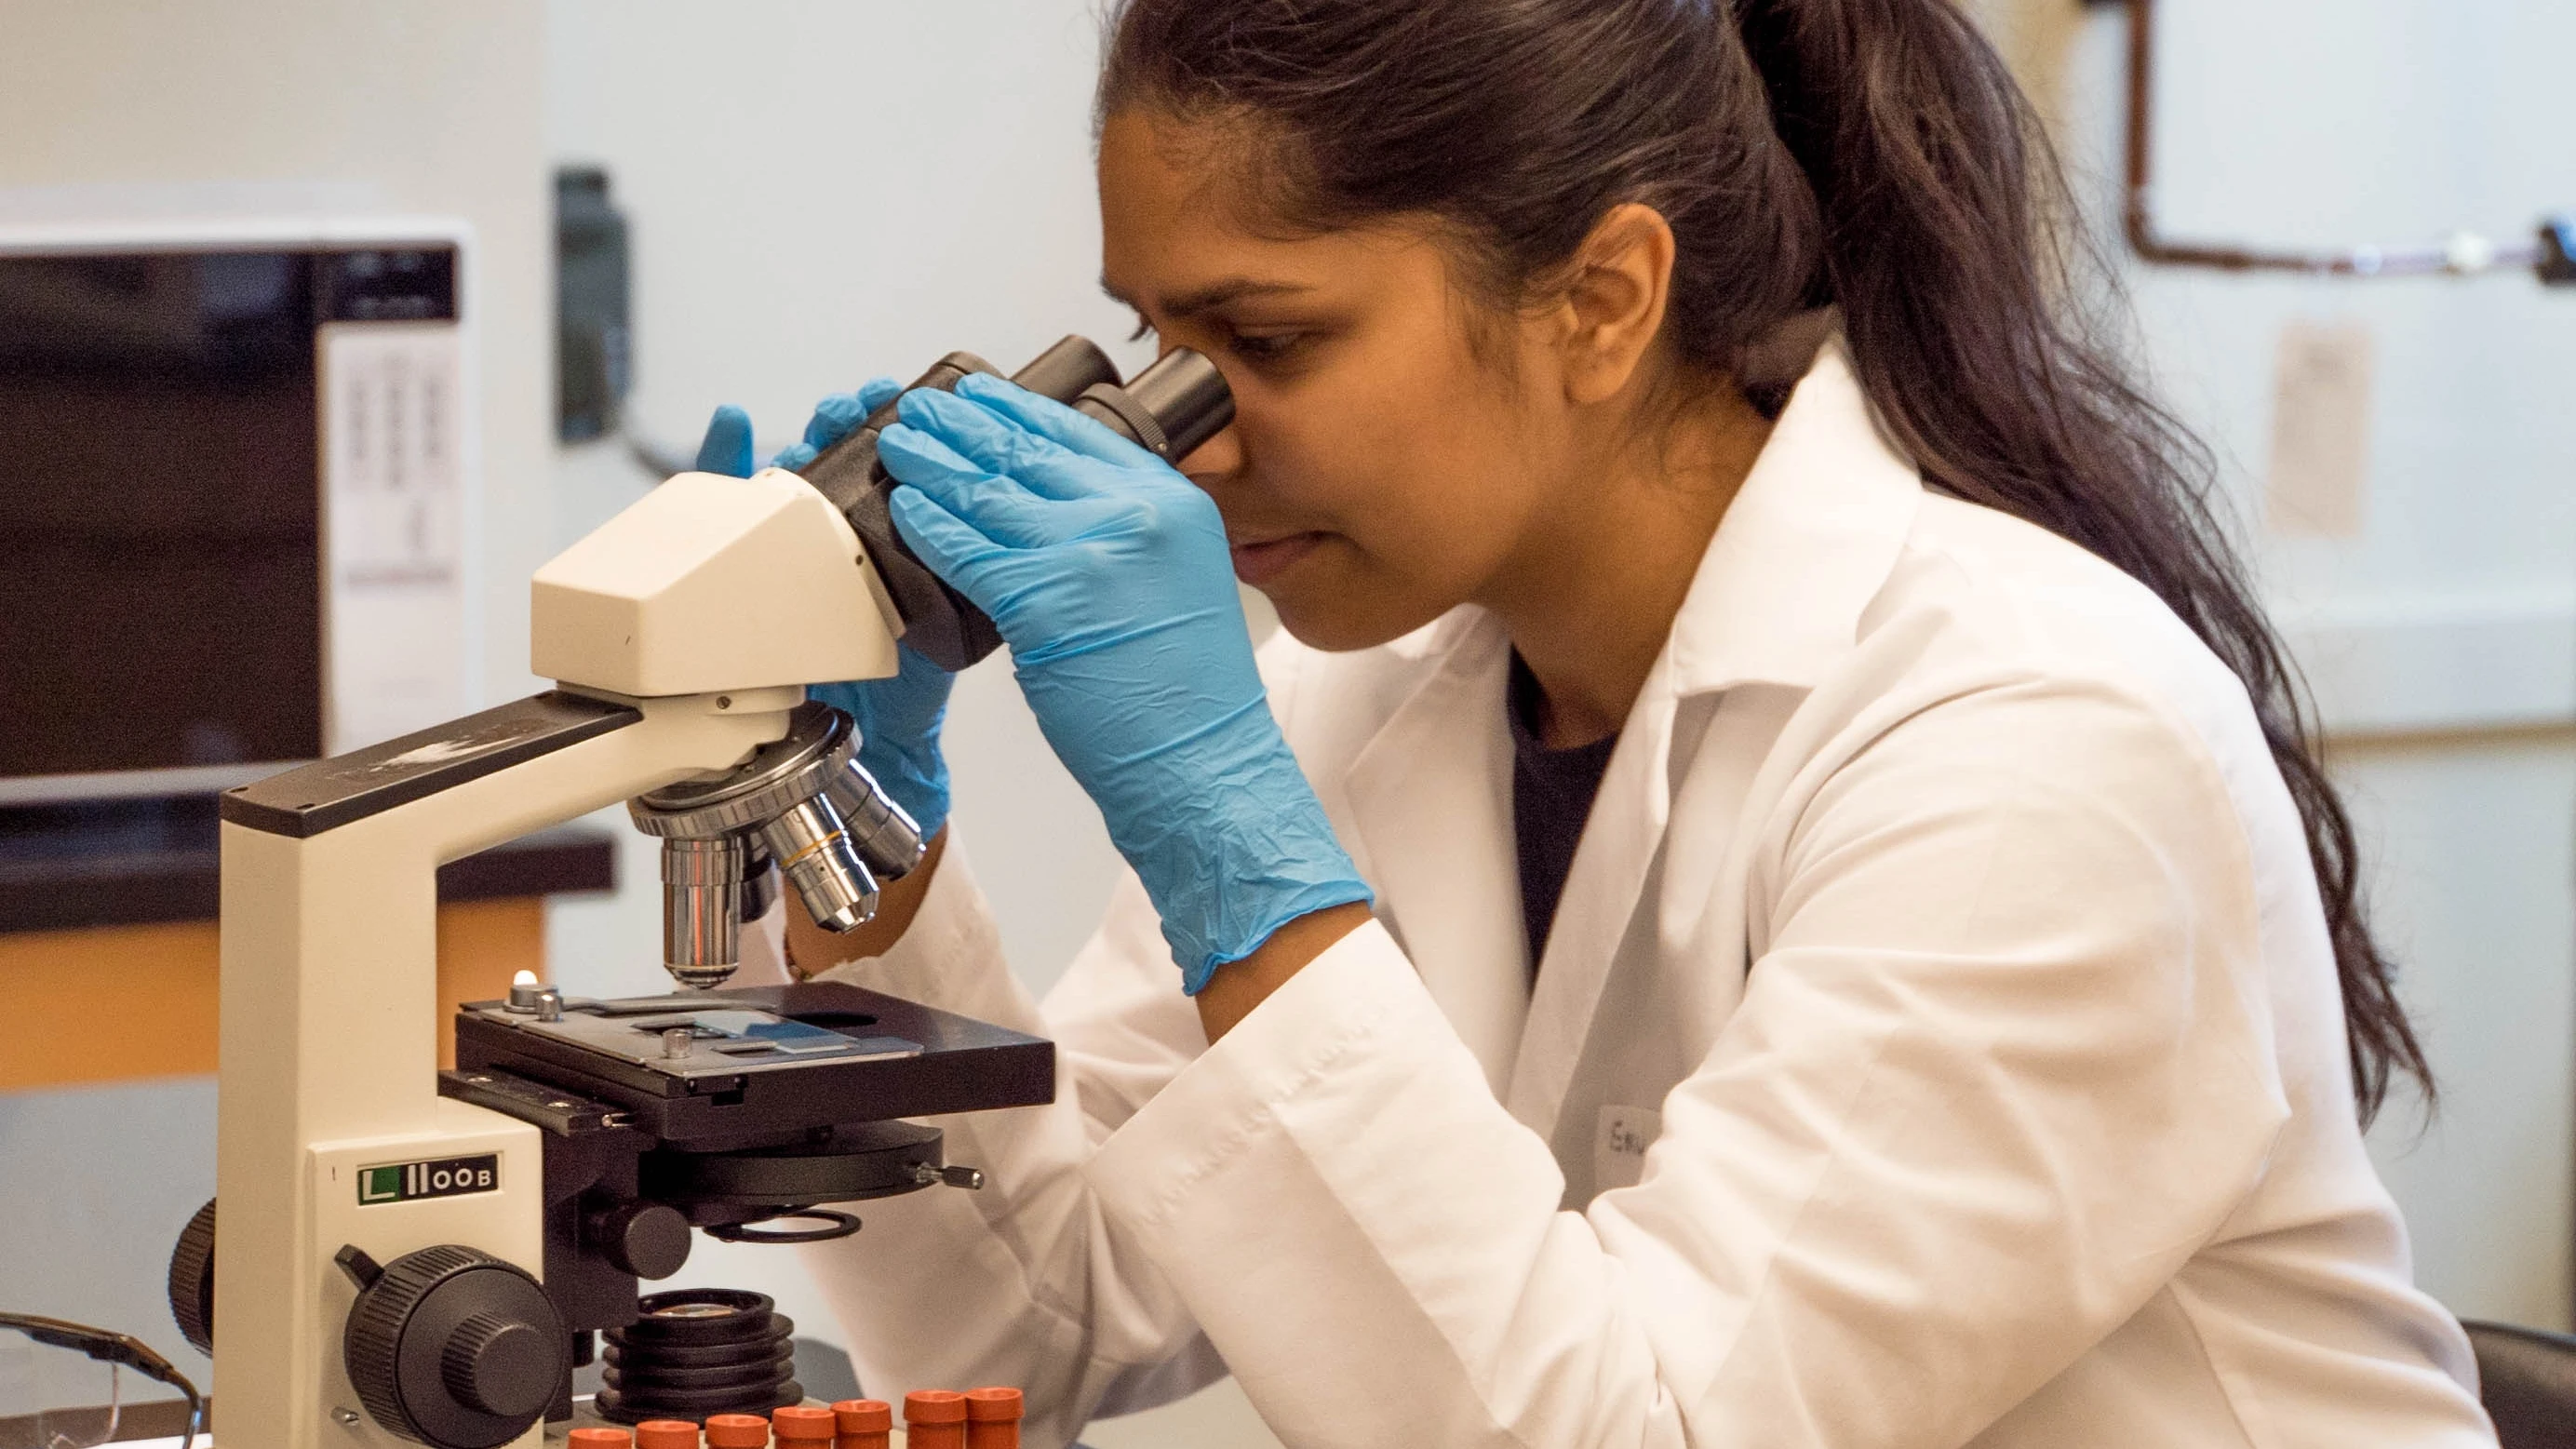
(897, 718)
(1107, 573)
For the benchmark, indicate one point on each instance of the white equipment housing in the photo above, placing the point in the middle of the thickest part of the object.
(683, 630)
(393, 426)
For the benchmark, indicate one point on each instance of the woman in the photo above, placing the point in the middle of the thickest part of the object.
(1800, 910)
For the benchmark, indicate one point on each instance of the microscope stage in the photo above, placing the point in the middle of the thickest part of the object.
(723, 1038)
(759, 1062)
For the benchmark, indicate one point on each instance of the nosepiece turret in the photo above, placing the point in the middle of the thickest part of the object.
(802, 802)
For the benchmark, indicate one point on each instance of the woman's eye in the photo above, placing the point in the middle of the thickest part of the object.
(1263, 347)
(1144, 329)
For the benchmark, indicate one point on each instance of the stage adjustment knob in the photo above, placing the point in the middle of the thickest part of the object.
(647, 1239)
(452, 1347)
(192, 1280)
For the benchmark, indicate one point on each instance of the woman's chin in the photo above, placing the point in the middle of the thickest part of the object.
(1327, 619)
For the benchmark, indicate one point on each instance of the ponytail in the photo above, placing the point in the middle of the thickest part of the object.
(1875, 156)
(1924, 160)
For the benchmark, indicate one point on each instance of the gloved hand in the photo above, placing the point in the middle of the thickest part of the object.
(898, 718)
(1107, 573)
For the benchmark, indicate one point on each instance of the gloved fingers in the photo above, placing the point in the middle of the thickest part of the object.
(917, 673)
(834, 418)
(997, 445)
(916, 697)
(1055, 422)
(837, 414)
(1001, 445)
(996, 504)
(953, 547)
(911, 699)
(726, 448)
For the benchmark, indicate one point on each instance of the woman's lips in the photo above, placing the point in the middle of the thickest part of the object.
(1258, 563)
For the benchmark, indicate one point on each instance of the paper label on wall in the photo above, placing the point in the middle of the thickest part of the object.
(2320, 430)
(1619, 1145)
(393, 470)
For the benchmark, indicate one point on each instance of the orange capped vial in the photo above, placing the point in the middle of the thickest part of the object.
(934, 1419)
(597, 1438)
(737, 1431)
(864, 1424)
(666, 1434)
(803, 1425)
(993, 1419)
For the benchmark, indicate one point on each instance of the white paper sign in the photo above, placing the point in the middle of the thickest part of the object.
(2320, 431)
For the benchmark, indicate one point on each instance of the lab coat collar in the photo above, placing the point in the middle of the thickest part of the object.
(1430, 799)
(1807, 542)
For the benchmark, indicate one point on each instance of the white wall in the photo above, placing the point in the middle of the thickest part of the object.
(409, 106)
(2442, 638)
(124, 109)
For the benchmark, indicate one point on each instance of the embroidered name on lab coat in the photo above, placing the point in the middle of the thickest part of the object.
(1619, 1145)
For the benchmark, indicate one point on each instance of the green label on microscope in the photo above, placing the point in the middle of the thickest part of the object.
(445, 1177)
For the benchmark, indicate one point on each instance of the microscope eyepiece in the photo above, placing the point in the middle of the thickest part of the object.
(1172, 407)
(1185, 396)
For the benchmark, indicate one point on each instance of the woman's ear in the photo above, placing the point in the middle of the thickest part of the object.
(1613, 300)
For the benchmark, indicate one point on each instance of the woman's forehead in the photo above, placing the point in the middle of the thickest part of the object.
(1184, 228)
(1182, 183)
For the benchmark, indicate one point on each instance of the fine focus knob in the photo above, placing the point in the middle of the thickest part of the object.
(501, 1366)
(453, 1347)
(192, 1280)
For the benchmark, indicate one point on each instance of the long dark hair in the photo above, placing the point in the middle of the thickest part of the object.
(1873, 155)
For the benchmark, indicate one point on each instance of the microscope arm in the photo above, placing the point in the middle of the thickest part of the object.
(683, 630)
(330, 1019)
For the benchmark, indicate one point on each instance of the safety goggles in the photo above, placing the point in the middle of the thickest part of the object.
(69, 1386)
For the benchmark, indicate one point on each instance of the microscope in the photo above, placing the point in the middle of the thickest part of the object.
(416, 1256)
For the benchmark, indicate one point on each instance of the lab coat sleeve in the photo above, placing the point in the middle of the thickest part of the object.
(1025, 1282)
(2001, 1066)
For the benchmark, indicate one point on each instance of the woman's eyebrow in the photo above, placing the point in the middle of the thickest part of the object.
(1214, 294)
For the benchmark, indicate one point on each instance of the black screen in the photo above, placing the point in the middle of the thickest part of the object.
(160, 499)
(160, 504)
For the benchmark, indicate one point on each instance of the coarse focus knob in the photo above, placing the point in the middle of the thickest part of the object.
(452, 1347)
(192, 1280)
(500, 1366)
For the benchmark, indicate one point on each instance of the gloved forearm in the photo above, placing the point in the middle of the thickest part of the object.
(1108, 574)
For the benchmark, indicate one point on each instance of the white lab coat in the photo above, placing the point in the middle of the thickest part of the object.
(1938, 1044)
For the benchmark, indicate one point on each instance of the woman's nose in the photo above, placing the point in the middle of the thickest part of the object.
(1217, 459)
